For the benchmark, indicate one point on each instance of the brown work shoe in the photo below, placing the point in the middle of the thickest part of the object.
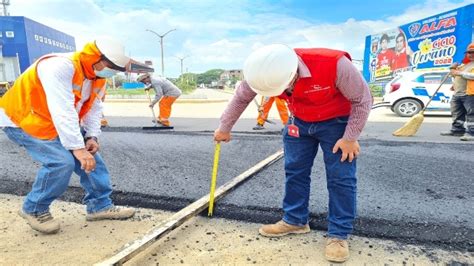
(44, 223)
(104, 122)
(337, 250)
(282, 228)
(112, 213)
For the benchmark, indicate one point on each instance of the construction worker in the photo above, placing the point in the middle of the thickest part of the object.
(462, 102)
(265, 107)
(329, 102)
(44, 112)
(103, 120)
(165, 92)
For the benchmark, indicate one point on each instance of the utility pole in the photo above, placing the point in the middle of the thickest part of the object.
(5, 4)
(161, 44)
(181, 59)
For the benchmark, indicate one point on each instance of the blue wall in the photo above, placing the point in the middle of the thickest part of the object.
(31, 40)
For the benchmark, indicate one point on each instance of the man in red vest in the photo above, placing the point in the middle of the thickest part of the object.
(329, 103)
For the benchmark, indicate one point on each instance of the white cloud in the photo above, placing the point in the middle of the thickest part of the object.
(213, 34)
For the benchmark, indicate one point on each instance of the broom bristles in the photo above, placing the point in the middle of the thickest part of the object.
(411, 127)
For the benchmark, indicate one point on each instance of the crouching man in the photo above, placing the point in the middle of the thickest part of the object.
(44, 111)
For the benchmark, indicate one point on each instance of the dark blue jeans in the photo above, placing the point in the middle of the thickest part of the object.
(341, 180)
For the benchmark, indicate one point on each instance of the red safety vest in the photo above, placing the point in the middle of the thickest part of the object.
(317, 98)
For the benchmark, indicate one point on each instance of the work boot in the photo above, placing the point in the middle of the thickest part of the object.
(282, 228)
(44, 223)
(258, 127)
(112, 213)
(467, 137)
(452, 133)
(337, 250)
(162, 122)
(104, 122)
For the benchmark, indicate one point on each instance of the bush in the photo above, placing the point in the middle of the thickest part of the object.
(185, 85)
(376, 90)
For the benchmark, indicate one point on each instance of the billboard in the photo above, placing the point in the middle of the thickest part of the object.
(433, 43)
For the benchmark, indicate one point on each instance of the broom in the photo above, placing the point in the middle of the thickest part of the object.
(411, 127)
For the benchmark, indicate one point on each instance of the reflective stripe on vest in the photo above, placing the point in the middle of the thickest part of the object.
(26, 104)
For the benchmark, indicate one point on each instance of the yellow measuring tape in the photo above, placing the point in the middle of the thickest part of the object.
(214, 178)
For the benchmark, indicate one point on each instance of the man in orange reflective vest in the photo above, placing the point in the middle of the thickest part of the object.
(45, 110)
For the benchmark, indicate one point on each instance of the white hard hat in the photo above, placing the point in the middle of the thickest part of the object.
(270, 69)
(113, 51)
(142, 77)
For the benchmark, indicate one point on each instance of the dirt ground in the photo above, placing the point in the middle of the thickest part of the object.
(199, 241)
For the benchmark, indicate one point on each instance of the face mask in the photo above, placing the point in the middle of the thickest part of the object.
(106, 72)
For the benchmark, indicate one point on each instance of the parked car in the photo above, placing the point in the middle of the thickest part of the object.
(408, 93)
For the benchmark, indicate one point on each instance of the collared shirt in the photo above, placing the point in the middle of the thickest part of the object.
(349, 81)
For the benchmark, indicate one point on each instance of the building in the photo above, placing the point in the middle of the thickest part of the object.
(23, 40)
(235, 74)
(433, 43)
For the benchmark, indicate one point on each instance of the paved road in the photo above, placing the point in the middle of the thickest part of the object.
(412, 191)
(416, 189)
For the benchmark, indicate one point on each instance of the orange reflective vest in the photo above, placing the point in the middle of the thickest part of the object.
(26, 103)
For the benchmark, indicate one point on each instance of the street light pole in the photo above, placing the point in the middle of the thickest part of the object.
(181, 59)
(161, 44)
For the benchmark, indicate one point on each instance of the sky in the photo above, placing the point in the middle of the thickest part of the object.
(221, 34)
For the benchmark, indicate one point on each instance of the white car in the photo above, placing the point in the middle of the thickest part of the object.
(409, 92)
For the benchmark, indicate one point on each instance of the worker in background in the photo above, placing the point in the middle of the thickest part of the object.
(329, 102)
(44, 112)
(103, 120)
(265, 107)
(165, 92)
(462, 102)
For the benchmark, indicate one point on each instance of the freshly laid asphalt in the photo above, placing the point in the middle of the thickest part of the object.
(414, 192)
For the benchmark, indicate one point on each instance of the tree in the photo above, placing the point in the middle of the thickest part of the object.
(186, 82)
(209, 76)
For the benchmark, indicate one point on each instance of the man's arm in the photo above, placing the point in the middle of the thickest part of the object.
(353, 86)
(91, 121)
(243, 96)
(56, 75)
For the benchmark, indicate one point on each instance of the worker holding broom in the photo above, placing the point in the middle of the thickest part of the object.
(44, 112)
(329, 102)
(462, 103)
(165, 92)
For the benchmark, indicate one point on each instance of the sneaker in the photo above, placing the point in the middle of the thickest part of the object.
(258, 127)
(452, 133)
(112, 213)
(44, 223)
(337, 250)
(467, 137)
(282, 228)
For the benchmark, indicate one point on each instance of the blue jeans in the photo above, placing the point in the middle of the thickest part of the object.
(52, 179)
(341, 180)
